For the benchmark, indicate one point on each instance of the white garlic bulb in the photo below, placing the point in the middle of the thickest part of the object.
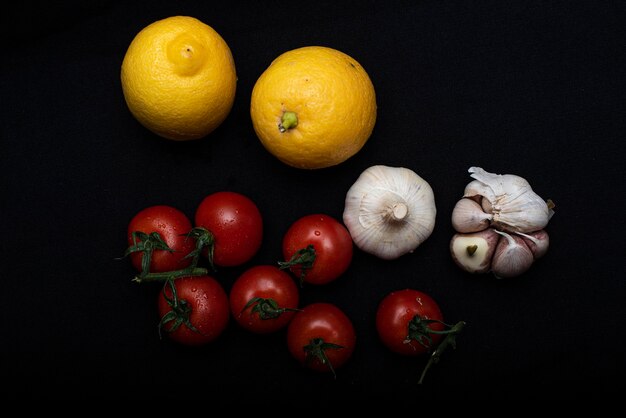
(492, 206)
(389, 211)
(515, 207)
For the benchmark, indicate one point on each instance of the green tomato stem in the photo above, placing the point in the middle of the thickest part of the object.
(180, 313)
(266, 308)
(316, 349)
(146, 243)
(302, 259)
(170, 275)
(204, 239)
(449, 340)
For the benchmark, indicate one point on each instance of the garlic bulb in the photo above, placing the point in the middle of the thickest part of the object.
(389, 211)
(511, 201)
(495, 205)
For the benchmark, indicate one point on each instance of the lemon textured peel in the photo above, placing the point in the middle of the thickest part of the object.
(313, 107)
(178, 78)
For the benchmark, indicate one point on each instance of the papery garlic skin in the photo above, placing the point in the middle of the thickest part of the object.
(476, 190)
(514, 205)
(389, 211)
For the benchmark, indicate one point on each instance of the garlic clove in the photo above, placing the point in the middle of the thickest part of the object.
(473, 252)
(389, 211)
(512, 257)
(486, 205)
(468, 216)
(512, 202)
(538, 242)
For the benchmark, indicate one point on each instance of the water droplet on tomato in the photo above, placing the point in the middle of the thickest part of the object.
(193, 289)
(317, 233)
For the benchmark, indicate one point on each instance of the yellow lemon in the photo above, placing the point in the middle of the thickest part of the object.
(178, 78)
(313, 107)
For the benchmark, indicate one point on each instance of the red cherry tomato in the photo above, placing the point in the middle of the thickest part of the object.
(197, 314)
(236, 225)
(171, 225)
(264, 299)
(400, 322)
(321, 337)
(317, 248)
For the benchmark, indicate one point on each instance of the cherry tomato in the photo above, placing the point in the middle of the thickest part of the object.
(317, 248)
(321, 337)
(197, 314)
(403, 322)
(264, 299)
(171, 225)
(236, 225)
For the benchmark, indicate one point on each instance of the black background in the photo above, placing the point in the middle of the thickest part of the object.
(522, 87)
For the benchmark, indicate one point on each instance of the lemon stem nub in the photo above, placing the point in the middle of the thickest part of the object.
(288, 121)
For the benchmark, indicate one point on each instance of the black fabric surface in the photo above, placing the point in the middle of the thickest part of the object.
(530, 88)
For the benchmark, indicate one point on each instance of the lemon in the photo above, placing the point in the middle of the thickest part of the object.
(313, 107)
(178, 78)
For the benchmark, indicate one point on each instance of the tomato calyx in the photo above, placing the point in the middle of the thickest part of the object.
(179, 315)
(303, 259)
(316, 349)
(146, 243)
(204, 239)
(266, 308)
(419, 330)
